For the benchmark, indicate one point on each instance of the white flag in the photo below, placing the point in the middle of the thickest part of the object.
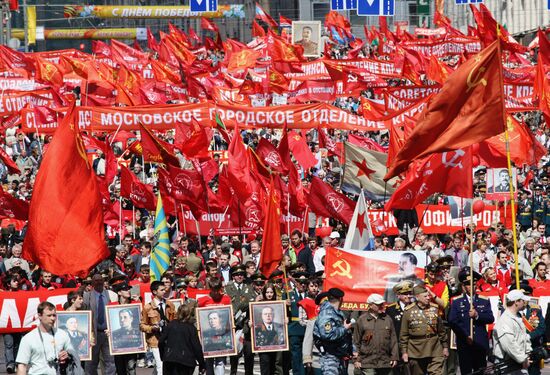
(359, 235)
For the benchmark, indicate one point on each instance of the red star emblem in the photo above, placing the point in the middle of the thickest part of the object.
(363, 169)
(361, 226)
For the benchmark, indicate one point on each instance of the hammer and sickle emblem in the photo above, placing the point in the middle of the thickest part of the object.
(455, 160)
(476, 77)
(342, 268)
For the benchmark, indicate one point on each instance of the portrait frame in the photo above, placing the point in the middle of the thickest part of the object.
(217, 345)
(259, 335)
(84, 319)
(297, 32)
(495, 189)
(177, 302)
(117, 345)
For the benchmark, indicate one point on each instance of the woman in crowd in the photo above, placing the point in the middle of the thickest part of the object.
(179, 344)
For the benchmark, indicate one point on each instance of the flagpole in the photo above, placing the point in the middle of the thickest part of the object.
(288, 211)
(420, 223)
(305, 219)
(509, 161)
(472, 226)
(120, 220)
(183, 219)
(133, 222)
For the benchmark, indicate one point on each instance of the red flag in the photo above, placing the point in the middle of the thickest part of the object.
(284, 21)
(65, 232)
(257, 30)
(449, 173)
(326, 202)
(326, 142)
(365, 142)
(152, 43)
(301, 150)
(238, 167)
(8, 162)
(154, 150)
(295, 188)
(206, 24)
(270, 156)
(280, 50)
(454, 118)
(185, 186)
(272, 249)
(196, 145)
(193, 35)
(13, 208)
(544, 47)
(261, 14)
(140, 194)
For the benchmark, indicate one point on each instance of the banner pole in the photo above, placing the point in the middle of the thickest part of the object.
(472, 226)
(183, 219)
(420, 223)
(133, 222)
(120, 220)
(305, 219)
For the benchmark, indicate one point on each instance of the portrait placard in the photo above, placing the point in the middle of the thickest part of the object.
(498, 184)
(308, 35)
(268, 325)
(125, 336)
(216, 331)
(78, 325)
(177, 303)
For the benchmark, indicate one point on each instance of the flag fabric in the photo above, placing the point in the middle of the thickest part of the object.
(301, 151)
(295, 188)
(154, 150)
(326, 142)
(65, 232)
(284, 21)
(13, 208)
(359, 236)
(238, 167)
(364, 169)
(270, 156)
(196, 145)
(272, 249)
(468, 109)
(326, 202)
(449, 173)
(160, 257)
(141, 195)
(257, 30)
(364, 142)
(8, 162)
(261, 14)
(206, 24)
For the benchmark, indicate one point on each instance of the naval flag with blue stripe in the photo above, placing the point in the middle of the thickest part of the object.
(160, 257)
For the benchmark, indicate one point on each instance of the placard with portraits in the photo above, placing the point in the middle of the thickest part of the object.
(268, 326)
(216, 331)
(308, 35)
(78, 325)
(125, 336)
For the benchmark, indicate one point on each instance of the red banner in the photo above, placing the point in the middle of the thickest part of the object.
(18, 309)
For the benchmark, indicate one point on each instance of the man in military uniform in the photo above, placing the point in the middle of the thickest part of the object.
(268, 332)
(423, 340)
(332, 334)
(241, 295)
(217, 336)
(395, 311)
(296, 328)
(534, 323)
(472, 346)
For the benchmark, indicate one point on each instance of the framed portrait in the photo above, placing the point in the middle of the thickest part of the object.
(124, 334)
(268, 326)
(78, 325)
(452, 343)
(498, 184)
(308, 35)
(217, 331)
(177, 302)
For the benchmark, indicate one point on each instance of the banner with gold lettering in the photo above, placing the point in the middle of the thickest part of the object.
(360, 273)
(151, 11)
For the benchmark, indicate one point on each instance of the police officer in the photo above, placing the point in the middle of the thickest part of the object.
(423, 340)
(403, 291)
(472, 348)
(332, 334)
(534, 323)
(296, 328)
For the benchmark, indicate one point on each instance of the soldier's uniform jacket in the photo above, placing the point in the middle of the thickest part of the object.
(535, 324)
(294, 326)
(216, 340)
(422, 332)
(240, 298)
(459, 320)
(330, 332)
(395, 312)
(376, 341)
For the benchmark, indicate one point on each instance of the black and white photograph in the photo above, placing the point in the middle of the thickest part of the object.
(125, 336)
(268, 325)
(498, 183)
(78, 326)
(308, 35)
(216, 331)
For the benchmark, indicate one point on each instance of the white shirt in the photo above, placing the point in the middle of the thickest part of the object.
(32, 349)
(318, 257)
(511, 338)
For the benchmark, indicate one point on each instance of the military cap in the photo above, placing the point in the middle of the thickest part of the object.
(239, 269)
(432, 267)
(277, 274)
(446, 261)
(523, 286)
(464, 275)
(538, 187)
(118, 283)
(319, 274)
(301, 277)
(419, 290)
(258, 277)
(336, 293)
(181, 283)
(321, 297)
(405, 286)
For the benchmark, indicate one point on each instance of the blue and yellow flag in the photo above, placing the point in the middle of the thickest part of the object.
(160, 257)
